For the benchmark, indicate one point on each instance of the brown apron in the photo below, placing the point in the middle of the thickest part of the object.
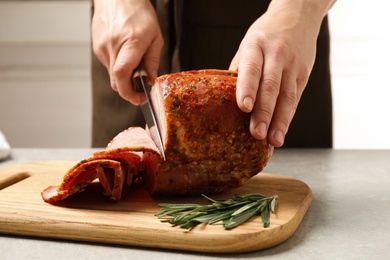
(201, 34)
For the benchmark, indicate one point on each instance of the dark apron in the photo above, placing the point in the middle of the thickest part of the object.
(202, 34)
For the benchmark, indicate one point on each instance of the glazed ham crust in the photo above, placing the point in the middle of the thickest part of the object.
(206, 137)
(208, 145)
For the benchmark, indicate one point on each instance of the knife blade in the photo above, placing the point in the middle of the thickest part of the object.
(140, 84)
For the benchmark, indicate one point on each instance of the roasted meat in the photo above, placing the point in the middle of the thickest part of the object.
(206, 137)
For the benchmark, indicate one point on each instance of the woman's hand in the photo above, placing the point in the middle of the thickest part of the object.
(274, 62)
(124, 33)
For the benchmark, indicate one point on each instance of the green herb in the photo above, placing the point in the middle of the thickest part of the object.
(232, 212)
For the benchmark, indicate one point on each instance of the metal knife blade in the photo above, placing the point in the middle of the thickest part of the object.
(140, 84)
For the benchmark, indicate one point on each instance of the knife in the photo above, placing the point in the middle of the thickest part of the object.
(140, 84)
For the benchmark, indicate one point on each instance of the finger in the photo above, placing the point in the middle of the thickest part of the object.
(107, 57)
(234, 63)
(267, 97)
(152, 58)
(112, 80)
(110, 69)
(284, 111)
(250, 70)
(99, 47)
(102, 54)
(127, 60)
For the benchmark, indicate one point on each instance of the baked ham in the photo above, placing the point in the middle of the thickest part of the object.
(206, 139)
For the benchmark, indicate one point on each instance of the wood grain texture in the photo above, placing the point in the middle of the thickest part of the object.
(89, 216)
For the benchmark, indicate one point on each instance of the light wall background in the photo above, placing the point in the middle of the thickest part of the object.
(361, 69)
(45, 79)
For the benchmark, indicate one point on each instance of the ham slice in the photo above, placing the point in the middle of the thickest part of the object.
(117, 167)
(206, 138)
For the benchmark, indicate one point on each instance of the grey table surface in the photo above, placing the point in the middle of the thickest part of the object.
(349, 217)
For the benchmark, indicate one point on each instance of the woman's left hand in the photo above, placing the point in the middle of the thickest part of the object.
(274, 62)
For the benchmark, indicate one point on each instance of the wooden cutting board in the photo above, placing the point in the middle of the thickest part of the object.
(89, 216)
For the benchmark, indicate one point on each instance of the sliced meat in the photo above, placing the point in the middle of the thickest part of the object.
(117, 167)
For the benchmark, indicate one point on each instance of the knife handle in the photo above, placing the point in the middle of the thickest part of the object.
(139, 75)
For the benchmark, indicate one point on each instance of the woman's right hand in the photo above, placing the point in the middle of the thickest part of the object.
(124, 33)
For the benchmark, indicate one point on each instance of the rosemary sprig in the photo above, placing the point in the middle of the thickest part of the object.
(232, 212)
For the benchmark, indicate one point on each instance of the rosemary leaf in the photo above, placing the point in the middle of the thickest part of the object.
(244, 208)
(265, 217)
(273, 204)
(182, 219)
(190, 224)
(254, 196)
(209, 199)
(220, 217)
(171, 205)
(237, 220)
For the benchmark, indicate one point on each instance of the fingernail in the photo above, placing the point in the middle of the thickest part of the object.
(248, 103)
(261, 129)
(279, 137)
